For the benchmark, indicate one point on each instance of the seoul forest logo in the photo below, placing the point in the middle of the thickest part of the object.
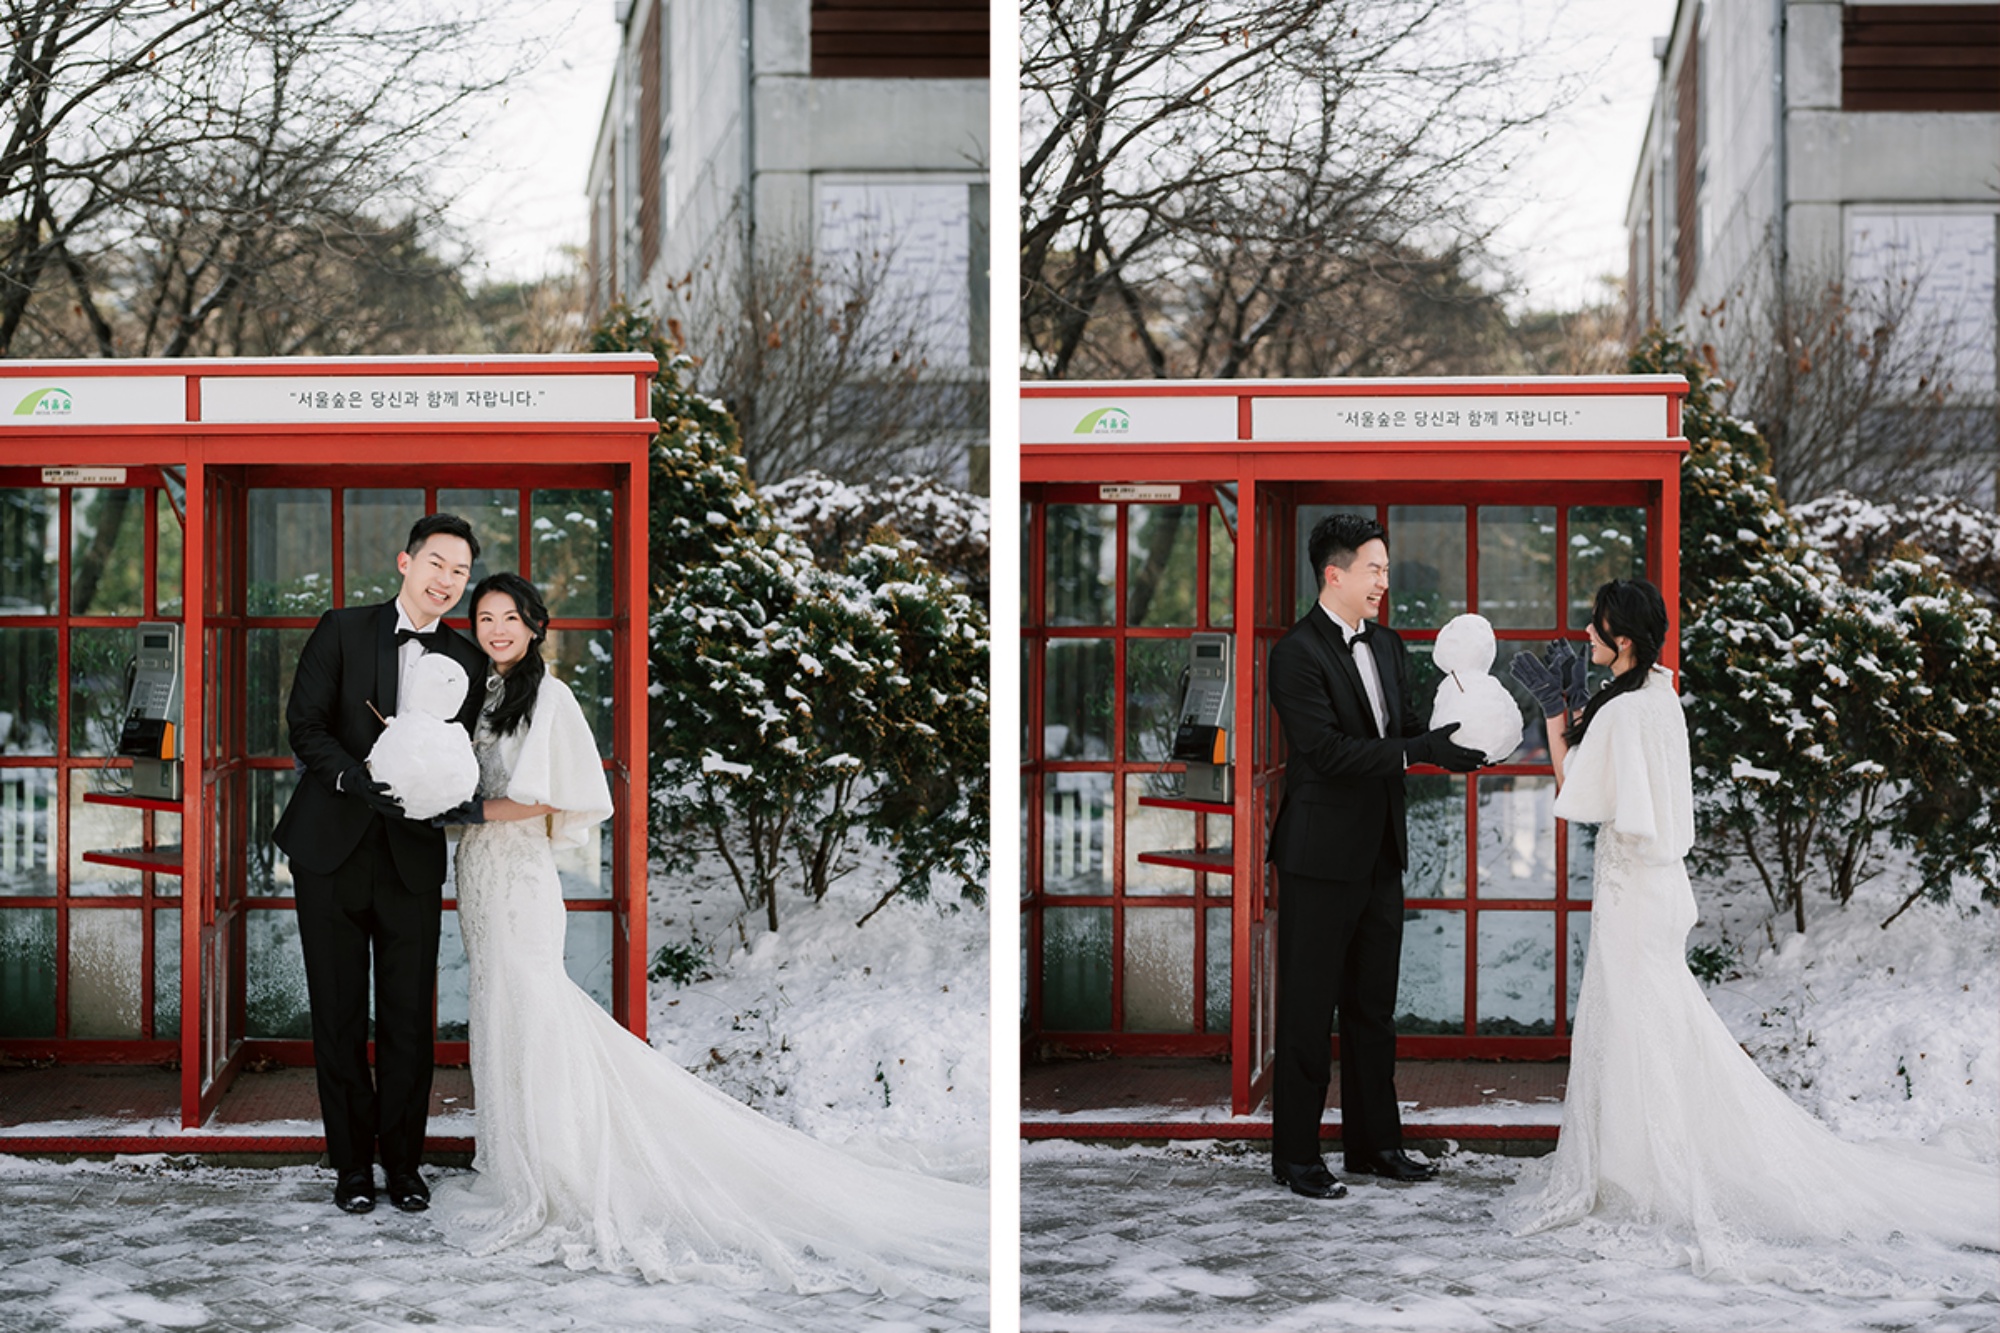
(50, 402)
(1105, 421)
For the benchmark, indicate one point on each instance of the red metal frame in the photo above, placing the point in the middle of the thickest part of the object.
(208, 882)
(1199, 902)
(1272, 478)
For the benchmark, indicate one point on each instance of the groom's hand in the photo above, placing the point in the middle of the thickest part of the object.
(1437, 747)
(375, 795)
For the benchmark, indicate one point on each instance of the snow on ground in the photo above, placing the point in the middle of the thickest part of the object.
(1883, 1034)
(149, 1242)
(1880, 1033)
(872, 1037)
(1197, 1237)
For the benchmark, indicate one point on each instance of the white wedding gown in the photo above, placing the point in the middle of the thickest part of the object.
(595, 1149)
(1675, 1149)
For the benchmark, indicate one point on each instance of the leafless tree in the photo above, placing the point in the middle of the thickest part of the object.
(828, 363)
(230, 175)
(1224, 189)
(1858, 385)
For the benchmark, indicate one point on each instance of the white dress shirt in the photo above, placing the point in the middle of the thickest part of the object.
(1364, 661)
(408, 652)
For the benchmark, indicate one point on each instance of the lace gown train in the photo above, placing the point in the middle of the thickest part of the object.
(1675, 1149)
(597, 1150)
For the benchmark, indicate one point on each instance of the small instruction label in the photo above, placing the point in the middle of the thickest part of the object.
(83, 476)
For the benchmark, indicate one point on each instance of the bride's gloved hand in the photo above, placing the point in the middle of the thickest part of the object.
(1540, 680)
(472, 811)
(1570, 668)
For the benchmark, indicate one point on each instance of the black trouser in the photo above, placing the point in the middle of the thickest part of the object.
(365, 906)
(1340, 942)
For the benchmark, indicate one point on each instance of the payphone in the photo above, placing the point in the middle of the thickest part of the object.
(1202, 739)
(151, 735)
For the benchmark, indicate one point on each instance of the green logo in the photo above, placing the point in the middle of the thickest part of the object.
(46, 403)
(1105, 421)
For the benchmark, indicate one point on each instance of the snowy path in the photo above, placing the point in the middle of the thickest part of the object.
(1197, 1237)
(146, 1244)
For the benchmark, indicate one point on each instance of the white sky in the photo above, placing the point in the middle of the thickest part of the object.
(1565, 220)
(522, 198)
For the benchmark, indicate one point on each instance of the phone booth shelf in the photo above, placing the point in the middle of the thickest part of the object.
(147, 946)
(1160, 515)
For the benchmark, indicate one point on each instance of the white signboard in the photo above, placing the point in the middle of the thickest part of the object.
(1138, 492)
(91, 400)
(417, 398)
(1497, 417)
(1136, 419)
(83, 476)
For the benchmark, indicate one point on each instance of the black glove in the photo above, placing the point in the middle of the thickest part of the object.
(356, 782)
(1572, 668)
(472, 810)
(1437, 747)
(1541, 680)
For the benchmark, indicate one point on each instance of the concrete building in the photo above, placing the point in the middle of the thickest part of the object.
(835, 129)
(1795, 144)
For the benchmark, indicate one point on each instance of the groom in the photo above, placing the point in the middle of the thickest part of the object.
(366, 878)
(1341, 687)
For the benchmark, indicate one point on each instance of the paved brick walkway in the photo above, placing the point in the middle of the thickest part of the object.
(1197, 1237)
(159, 1245)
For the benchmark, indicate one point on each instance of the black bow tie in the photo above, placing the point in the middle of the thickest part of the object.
(1366, 635)
(404, 636)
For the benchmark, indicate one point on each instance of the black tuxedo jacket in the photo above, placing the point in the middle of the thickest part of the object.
(349, 662)
(1343, 778)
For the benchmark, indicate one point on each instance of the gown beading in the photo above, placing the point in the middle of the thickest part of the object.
(594, 1149)
(1674, 1148)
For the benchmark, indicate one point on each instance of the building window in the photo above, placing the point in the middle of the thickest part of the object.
(856, 39)
(1920, 58)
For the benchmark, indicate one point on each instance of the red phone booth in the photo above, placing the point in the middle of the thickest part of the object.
(1164, 532)
(170, 531)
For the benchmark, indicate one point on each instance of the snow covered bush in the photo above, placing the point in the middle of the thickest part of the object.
(951, 529)
(785, 696)
(1860, 534)
(1822, 713)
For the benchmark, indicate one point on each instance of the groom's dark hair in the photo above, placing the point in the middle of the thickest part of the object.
(448, 525)
(1337, 537)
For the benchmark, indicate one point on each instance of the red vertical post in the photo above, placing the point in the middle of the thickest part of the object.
(195, 888)
(1247, 832)
(638, 795)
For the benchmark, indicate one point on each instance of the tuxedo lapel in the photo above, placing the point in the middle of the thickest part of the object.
(1334, 645)
(387, 676)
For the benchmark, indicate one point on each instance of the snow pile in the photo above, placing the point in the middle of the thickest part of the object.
(874, 1038)
(1882, 1034)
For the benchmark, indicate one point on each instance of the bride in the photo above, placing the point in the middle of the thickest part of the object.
(1674, 1148)
(593, 1148)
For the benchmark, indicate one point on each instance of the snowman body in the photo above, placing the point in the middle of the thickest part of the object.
(1489, 719)
(423, 755)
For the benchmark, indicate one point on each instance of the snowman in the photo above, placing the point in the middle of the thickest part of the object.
(423, 755)
(1488, 717)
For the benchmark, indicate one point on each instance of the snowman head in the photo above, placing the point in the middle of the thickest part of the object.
(1465, 645)
(437, 686)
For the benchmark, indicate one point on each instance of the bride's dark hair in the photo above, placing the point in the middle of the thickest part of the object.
(1625, 609)
(524, 678)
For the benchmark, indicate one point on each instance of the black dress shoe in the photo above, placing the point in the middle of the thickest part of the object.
(1310, 1179)
(408, 1192)
(355, 1191)
(1392, 1164)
